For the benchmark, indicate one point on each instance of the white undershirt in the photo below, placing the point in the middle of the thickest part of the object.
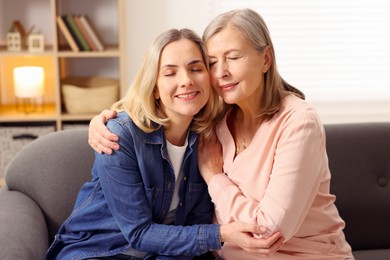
(176, 155)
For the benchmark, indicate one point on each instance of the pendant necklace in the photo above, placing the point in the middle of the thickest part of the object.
(241, 146)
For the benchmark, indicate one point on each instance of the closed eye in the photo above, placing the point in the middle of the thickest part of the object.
(234, 58)
(212, 63)
(196, 69)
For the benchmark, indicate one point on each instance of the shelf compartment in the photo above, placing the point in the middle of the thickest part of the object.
(7, 65)
(9, 113)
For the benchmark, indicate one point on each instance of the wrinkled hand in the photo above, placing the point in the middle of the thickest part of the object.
(242, 235)
(99, 137)
(210, 159)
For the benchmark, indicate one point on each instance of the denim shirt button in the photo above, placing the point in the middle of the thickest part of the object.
(185, 178)
(181, 204)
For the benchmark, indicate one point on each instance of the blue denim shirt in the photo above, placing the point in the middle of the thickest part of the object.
(124, 205)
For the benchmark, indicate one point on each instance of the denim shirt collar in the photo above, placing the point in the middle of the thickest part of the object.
(157, 137)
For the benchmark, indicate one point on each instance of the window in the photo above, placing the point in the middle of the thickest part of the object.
(337, 52)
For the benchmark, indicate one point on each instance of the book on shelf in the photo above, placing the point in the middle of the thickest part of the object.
(67, 34)
(77, 33)
(64, 18)
(85, 21)
(85, 33)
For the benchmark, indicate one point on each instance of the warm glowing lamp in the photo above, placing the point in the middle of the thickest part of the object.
(29, 85)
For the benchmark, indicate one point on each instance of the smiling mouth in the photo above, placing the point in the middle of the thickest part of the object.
(229, 86)
(187, 95)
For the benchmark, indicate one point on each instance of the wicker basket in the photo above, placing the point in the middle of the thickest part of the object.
(89, 95)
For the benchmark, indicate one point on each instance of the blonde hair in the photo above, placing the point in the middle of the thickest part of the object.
(254, 29)
(140, 103)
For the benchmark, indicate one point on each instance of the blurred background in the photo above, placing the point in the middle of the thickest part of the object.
(336, 51)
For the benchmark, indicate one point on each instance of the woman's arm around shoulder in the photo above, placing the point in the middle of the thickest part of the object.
(99, 137)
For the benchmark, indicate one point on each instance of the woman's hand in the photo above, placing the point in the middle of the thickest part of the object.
(242, 235)
(210, 161)
(99, 137)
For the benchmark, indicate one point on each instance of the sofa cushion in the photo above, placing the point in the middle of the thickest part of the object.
(51, 170)
(16, 239)
(377, 254)
(359, 160)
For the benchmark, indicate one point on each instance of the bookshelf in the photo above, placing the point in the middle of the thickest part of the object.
(58, 59)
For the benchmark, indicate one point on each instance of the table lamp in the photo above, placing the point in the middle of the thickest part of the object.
(29, 85)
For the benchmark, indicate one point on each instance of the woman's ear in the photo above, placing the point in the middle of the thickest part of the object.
(156, 93)
(267, 56)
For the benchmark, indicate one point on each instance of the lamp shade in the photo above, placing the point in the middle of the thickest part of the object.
(29, 81)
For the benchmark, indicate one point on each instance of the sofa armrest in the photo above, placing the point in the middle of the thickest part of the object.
(23, 230)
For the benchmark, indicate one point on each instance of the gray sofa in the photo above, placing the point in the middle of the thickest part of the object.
(43, 179)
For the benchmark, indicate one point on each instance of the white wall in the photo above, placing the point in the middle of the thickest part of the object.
(146, 19)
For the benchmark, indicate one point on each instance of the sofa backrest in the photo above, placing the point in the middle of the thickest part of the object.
(359, 161)
(51, 170)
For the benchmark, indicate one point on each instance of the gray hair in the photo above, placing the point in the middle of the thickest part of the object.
(255, 30)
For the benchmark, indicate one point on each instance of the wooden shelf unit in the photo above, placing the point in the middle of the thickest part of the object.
(58, 60)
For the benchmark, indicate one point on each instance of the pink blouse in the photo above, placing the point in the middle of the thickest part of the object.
(281, 181)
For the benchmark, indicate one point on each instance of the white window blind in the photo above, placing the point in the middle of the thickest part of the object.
(335, 51)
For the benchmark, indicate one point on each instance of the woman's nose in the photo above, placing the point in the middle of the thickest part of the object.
(221, 70)
(185, 79)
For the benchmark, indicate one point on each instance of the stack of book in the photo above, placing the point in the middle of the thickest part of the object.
(79, 33)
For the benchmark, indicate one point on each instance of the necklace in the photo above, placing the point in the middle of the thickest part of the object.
(240, 148)
(241, 145)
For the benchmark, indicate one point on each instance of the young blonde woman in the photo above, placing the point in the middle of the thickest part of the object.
(147, 200)
(268, 164)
